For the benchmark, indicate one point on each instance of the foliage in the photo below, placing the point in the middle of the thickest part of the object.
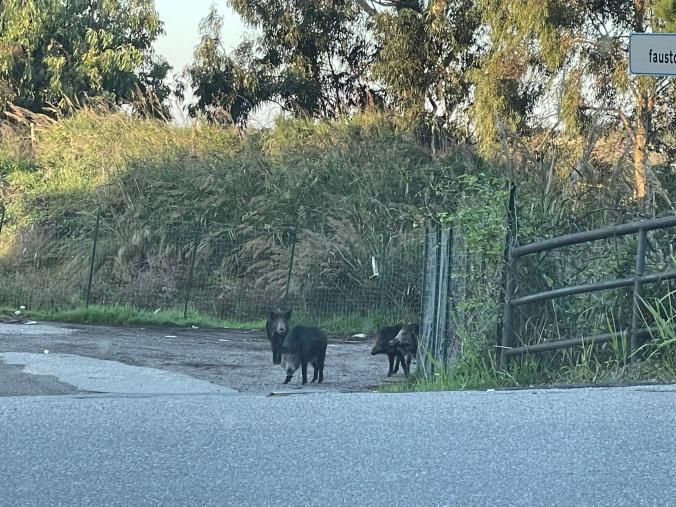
(424, 50)
(227, 91)
(346, 190)
(574, 55)
(312, 57)
(660, 315)
(62, 53)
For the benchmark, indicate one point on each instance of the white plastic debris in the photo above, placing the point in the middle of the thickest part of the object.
(17, 312)
(170, 336)
(46, 351)
(22, 307)
(30, 322)
(374, 267)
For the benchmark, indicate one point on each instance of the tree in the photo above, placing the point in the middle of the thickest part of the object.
(65, 51)
(314, 54)
(585, 45)
(227, 88)
(423, 53)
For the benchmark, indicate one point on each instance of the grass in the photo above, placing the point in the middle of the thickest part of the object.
(605, 364)
(129, 316)
(662, 312)
(531, 372)
(475, 373)
(119, 315)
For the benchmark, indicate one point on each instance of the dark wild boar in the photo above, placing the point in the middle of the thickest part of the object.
(382, 346)
(276, 328)
(301, 346)
(406, 345)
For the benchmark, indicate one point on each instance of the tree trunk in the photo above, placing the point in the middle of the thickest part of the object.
(640, 146)
(644, 107)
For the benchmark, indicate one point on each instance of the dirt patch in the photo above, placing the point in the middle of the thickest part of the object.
(238, 359)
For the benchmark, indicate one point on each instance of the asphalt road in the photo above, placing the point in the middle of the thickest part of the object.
(572, 447)
(109, 416)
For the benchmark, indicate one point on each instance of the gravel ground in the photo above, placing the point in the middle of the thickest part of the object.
(241, 360)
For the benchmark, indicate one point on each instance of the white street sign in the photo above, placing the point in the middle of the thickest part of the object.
(653, 54)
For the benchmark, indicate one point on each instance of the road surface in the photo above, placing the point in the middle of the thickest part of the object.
(103, 416)
(572, 447)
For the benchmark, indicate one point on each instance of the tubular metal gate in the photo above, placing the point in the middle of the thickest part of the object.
(637, 280)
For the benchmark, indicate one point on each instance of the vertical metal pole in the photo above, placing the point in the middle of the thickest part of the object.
(381, 277)
(449, 334)
(2, 219)
(434, 337)
(91, 263)
(505, 335)
(511, 233)
(193, 256)
(293, 251)
(510, 290)
(424, 296)
(640, 268)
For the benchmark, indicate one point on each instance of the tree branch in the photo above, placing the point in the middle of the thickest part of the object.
(623, 117)
(366, 7)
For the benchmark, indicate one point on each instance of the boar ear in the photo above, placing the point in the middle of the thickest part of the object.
(288, 314)
(272, 315)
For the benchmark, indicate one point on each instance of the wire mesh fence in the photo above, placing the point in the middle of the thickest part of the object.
(336, 275)
(332, 275)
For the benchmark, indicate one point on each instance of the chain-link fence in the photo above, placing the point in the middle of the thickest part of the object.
(332, 275)
(462, 298)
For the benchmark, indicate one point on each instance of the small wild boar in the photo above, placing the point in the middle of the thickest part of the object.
(382, 346)
(301, 346)
(276, 328)
(406, 345)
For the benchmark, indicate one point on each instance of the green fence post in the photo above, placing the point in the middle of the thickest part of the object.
(506, 277)
(91, 263)
(293, 250)
(381, 278)
(190, 272)
(636, 297)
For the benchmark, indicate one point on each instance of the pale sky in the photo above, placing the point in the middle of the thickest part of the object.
(181, 22)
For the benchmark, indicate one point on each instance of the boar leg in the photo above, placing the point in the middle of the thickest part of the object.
(316, 371)
(403, 362)
(390, 358)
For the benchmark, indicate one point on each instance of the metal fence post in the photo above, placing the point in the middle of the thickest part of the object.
(381, 277)
(449, 297)
(510, 291)
(638, 273)
(505, 335)
(191, 270)
(293, 251)
(91, 263)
